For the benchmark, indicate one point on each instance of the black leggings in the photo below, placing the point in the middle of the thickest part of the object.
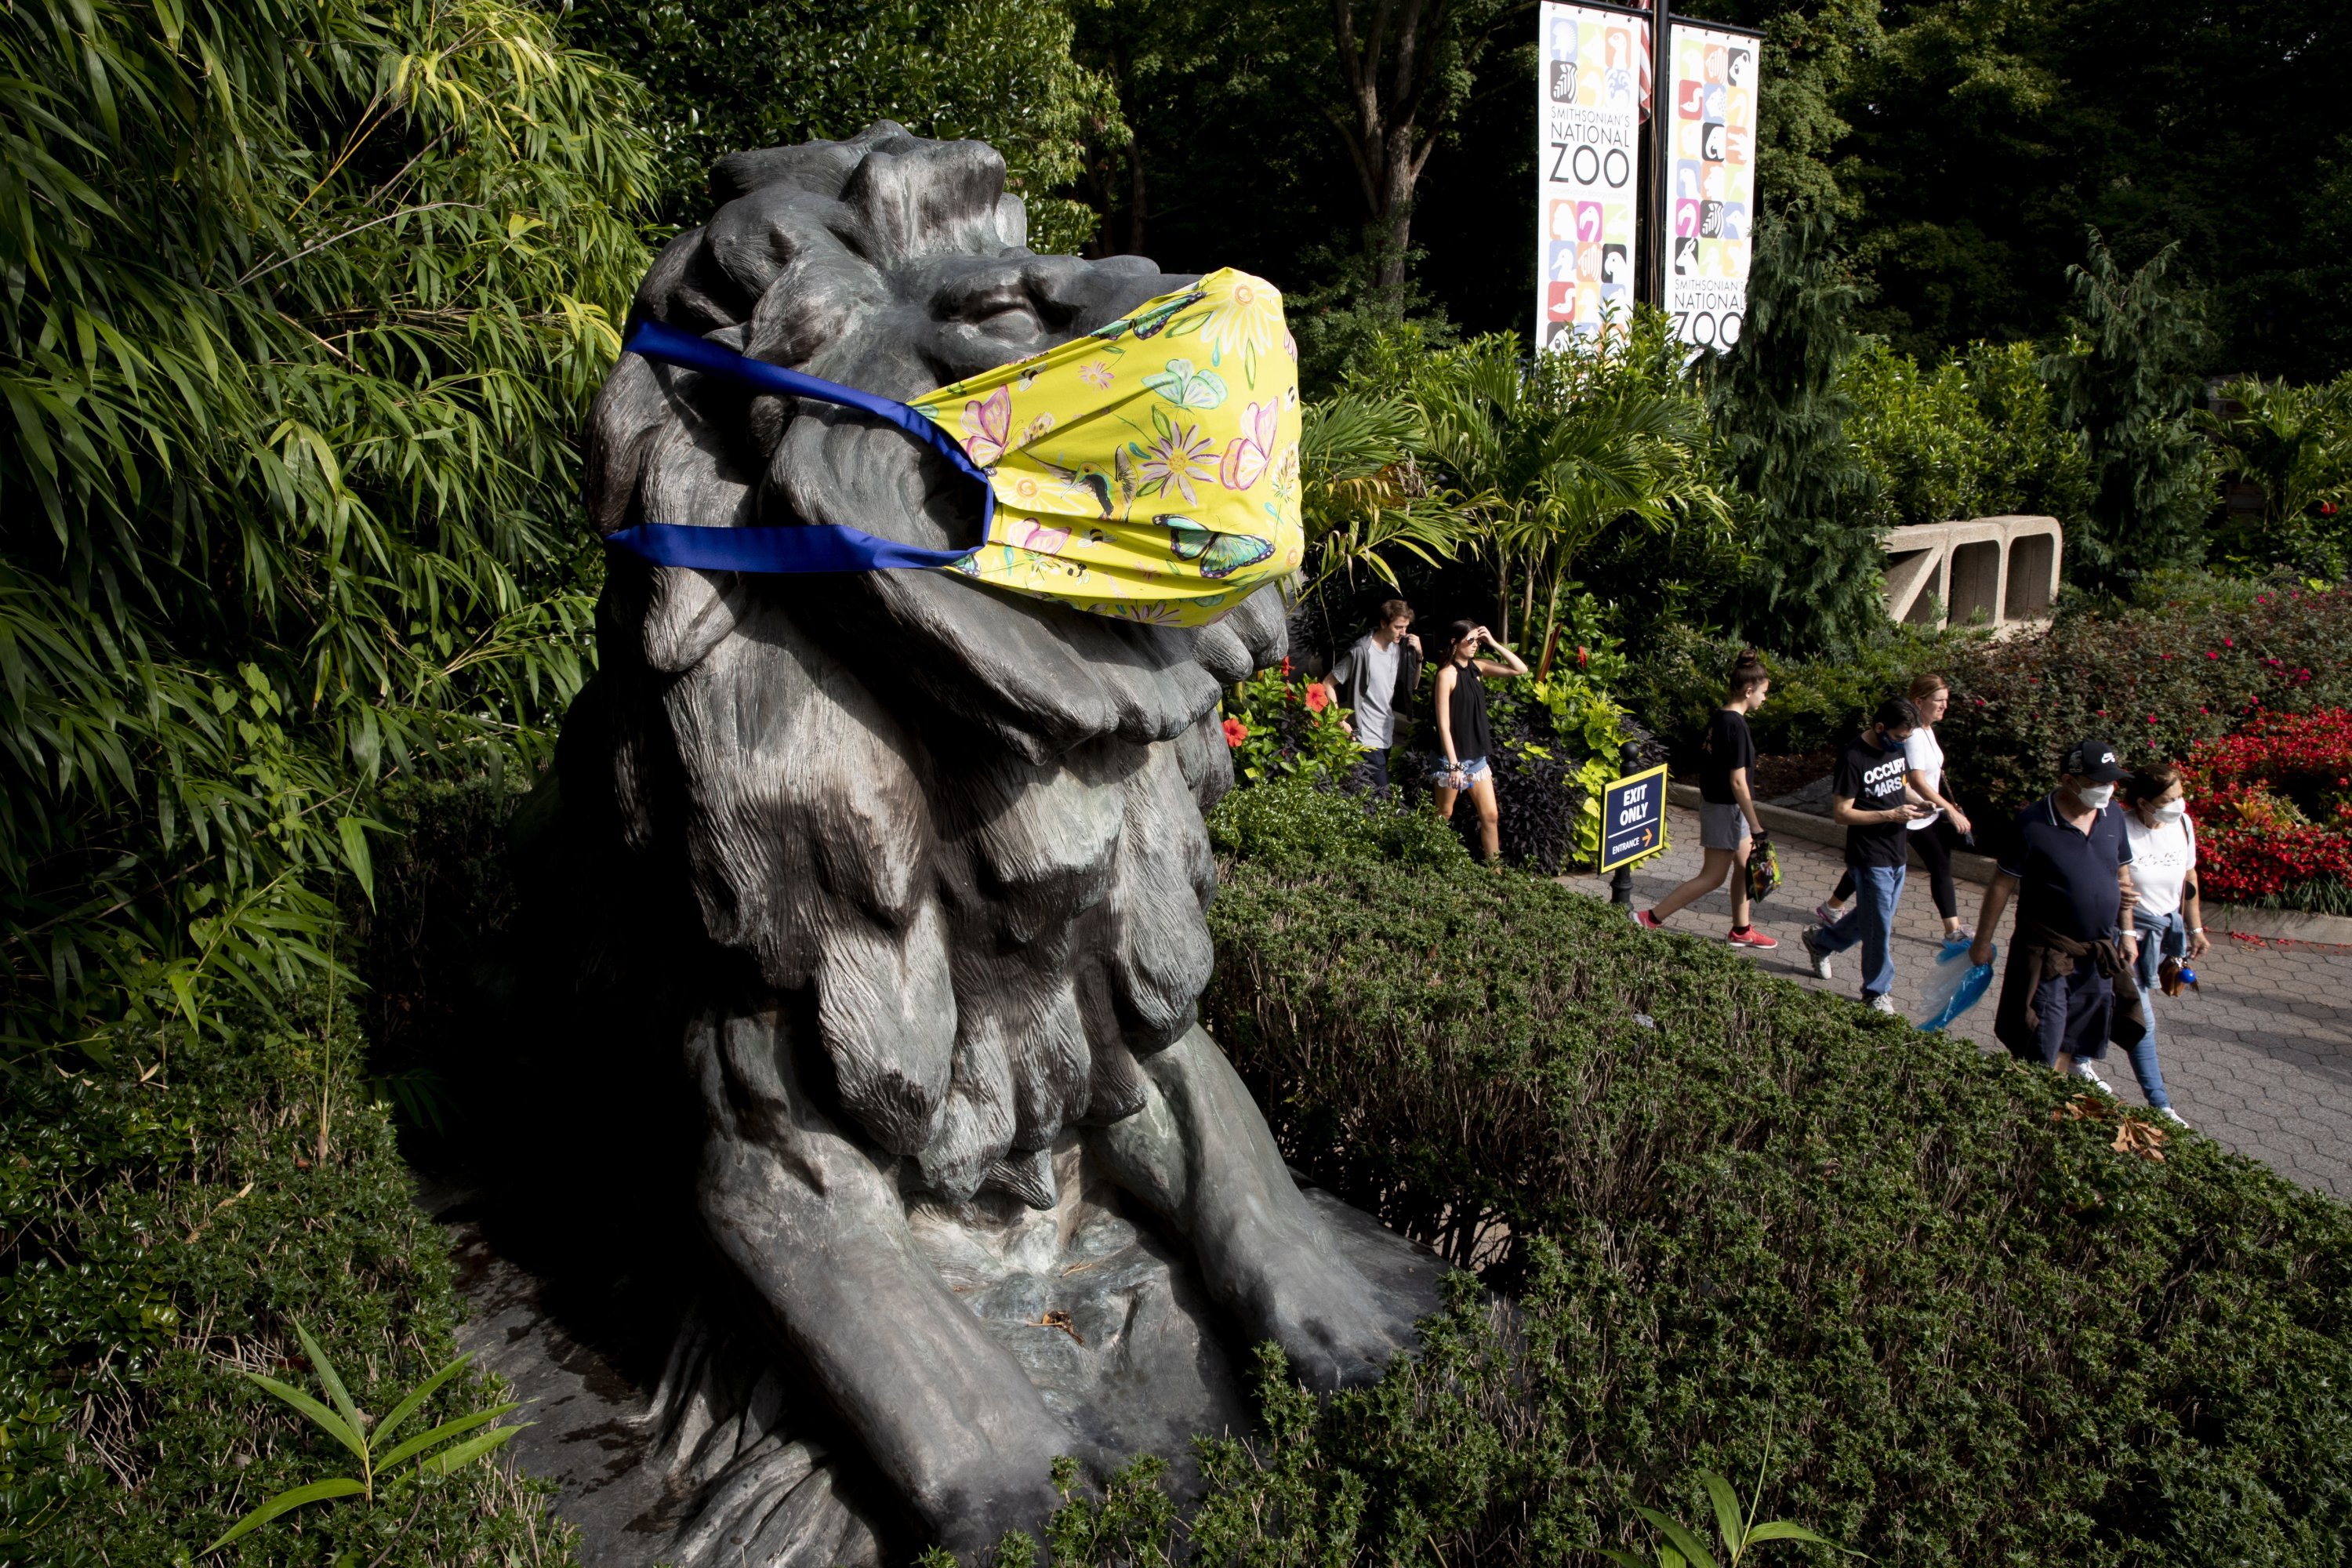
(1934, 843)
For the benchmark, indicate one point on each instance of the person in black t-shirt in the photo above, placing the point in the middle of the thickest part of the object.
(1873, 798)
(1726, 813)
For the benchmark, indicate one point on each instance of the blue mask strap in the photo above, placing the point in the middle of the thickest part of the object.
(810, 547)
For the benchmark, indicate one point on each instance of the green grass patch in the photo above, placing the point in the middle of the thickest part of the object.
(165, 1221)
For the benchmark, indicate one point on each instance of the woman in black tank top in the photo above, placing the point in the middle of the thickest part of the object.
(1464, 741)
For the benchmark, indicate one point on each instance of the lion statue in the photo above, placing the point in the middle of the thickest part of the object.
(931, 863)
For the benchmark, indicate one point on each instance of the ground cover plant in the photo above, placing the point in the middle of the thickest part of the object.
(163, 1224)
(1981, 1321)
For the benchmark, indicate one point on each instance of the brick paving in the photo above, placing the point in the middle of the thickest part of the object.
(2261, 1060)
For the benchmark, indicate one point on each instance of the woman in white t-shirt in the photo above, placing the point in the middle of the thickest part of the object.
(2170, 919)
(1923, 763)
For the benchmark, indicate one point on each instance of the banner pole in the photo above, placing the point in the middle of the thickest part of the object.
(1658, 217)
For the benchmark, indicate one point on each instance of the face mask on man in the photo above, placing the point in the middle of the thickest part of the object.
(2095, 796)
(2171, 810)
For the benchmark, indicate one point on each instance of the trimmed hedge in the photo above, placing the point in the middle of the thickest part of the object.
(1748, 1220)
(164, 1222)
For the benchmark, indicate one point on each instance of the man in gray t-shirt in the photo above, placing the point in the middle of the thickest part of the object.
(1376, 677)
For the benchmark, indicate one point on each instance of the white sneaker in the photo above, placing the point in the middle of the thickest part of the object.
(1882, 1003)
(2175, 1117)
(1828, 914)
(2085, 1071)
(1820, 959)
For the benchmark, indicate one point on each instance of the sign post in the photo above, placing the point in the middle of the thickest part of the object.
(1632, 822)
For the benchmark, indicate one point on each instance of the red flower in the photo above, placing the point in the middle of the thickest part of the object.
(1235, 733)
(1286, 664)
(1583, 657)
(1318, 698)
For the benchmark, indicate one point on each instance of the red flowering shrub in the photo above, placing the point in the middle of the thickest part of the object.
(2156, 681)
(1276, 723)
(2273, 809)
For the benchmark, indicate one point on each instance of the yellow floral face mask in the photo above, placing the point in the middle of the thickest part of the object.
(1148, 471)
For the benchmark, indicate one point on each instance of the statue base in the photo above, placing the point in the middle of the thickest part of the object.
(681, 1434)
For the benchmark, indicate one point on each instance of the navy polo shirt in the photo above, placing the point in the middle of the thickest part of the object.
(2069, 880)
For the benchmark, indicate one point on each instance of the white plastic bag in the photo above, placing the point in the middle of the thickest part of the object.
(1956, 985)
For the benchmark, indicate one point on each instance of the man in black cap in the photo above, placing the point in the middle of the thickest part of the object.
(2074, 945)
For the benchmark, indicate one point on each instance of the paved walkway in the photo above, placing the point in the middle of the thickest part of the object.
(2261, 1059)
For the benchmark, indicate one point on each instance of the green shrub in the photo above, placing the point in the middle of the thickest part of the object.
(165, 1220)
(2294, 445)
(1678, 680)
(1977, 1331)
(1976, 435)
(1293, 822)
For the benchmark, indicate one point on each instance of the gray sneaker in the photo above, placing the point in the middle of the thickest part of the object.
(1882, 1003)
(1820, 959)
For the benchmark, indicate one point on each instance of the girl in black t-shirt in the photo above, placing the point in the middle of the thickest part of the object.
(1727, 821)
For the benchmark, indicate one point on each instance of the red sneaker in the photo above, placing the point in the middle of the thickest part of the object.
(1647, 920)
(1753, 938)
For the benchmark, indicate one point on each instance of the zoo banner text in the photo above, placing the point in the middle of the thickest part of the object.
(1710, 180)
(1589, 68)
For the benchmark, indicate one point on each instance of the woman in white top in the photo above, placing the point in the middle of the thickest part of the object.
(2170, 919)
(1923, 762)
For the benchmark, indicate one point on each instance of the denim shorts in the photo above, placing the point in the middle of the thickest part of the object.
(1441, 772)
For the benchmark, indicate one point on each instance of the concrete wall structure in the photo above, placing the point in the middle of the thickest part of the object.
(2003, 569)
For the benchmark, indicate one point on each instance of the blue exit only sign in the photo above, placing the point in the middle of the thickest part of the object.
(1632, 818)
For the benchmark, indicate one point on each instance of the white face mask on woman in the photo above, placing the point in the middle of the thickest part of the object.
(2095, 796)
(2171, 810)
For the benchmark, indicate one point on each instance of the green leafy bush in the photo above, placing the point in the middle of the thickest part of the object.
(1280, 726)
(1295, 822)
(1816, 702)
(2293, 446)
(306, 299)
(164, 1221)
(1981, 1324)
(1976, 435)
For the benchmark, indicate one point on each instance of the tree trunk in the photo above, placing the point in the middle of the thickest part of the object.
(1135, 210)
(1389, 99)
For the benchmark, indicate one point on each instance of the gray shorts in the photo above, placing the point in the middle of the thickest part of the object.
(1721, 826)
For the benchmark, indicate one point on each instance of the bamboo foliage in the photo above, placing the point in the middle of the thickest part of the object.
(304, 298)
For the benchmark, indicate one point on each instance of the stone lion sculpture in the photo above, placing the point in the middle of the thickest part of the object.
(938, 853)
